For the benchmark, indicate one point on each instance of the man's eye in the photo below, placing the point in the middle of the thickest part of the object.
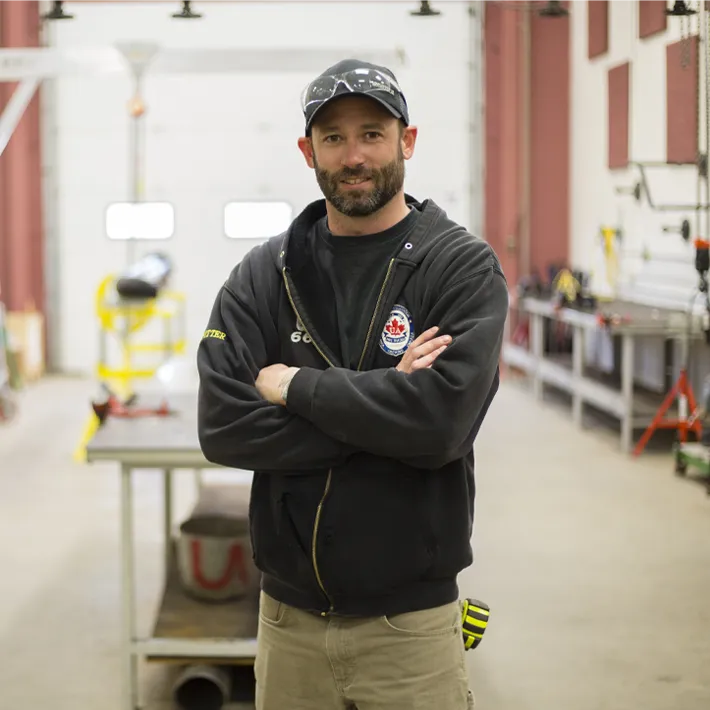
(373, 135)
(331, 139)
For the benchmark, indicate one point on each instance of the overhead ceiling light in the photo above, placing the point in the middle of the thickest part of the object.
(186, 13)
(57, 12)
(680, 9)
(553, 9)
(425, 10)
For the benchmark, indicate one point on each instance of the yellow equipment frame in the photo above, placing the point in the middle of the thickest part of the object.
(124, 319)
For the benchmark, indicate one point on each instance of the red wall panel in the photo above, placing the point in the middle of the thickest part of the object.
(682, 101)
(503, 112)
(547, 172)
(597, 28)
(618, 88)
(652, 17)
(21, 229)
(550, 141)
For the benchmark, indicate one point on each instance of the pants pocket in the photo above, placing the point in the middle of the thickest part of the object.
(439, 621)
(271, 611)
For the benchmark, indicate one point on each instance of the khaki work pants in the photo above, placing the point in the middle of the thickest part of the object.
(412, 661)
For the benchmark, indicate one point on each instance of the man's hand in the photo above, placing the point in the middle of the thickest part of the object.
(271, 381)
(423, 351)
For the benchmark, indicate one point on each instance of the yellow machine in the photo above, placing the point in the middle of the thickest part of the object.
(121, 321)
(123, 357)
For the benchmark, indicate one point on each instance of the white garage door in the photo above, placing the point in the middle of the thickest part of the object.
(213, 142)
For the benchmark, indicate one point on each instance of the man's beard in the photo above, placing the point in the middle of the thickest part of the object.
(386, 183)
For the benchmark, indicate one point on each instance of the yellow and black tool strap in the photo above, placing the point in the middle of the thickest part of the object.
(474, 621)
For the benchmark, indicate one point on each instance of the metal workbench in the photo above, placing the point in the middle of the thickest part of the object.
(638, 321)
(185, 630)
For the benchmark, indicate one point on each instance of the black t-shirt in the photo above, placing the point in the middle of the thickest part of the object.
(356, 268)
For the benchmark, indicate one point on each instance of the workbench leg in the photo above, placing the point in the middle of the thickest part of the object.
(168, 515)
(577, 373)
(129, 687)
(627, 392)
(537, 345)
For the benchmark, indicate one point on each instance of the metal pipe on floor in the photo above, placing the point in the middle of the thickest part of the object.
(202, 687)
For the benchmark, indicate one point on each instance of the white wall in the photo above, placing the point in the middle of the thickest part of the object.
(668, 277)
(219, 138)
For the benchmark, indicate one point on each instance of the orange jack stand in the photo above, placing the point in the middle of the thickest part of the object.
(684, 423)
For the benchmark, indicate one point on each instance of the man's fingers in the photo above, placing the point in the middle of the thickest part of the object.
(427, 360)
(424, 350)
(432, 345)
(426, 335)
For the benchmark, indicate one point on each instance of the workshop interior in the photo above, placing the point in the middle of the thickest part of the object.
(147, 147)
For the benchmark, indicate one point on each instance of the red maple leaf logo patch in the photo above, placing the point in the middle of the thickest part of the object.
(395, 327)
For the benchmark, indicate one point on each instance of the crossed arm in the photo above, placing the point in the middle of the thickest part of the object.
(421, 411)
(273, 381)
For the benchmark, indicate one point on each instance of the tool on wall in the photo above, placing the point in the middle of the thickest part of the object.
(606, 272)
(683, 230)
(641, 189)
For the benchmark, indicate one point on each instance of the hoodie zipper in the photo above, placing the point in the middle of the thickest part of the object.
(330, 471)
(328, 480)
(375, 313)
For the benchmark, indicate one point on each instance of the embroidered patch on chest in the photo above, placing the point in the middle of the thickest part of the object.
(398, 332)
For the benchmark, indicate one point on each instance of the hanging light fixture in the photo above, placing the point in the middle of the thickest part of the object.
(425, 10)
(680, 9)
(186, 12)
(553, 9)
(57, 12)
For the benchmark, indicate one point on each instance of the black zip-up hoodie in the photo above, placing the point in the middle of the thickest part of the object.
(362, 501)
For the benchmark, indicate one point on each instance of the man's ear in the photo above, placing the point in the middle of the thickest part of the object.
(409, 138)
(305, 144)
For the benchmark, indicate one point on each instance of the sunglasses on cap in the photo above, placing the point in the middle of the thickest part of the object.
(359, 81)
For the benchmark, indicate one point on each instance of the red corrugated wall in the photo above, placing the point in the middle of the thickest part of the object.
(503, 135)
(548, 171)
(21, 227)
(550, 138)
(618, 101)
(682, 101)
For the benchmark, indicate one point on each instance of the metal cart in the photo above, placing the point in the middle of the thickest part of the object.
(185, 630)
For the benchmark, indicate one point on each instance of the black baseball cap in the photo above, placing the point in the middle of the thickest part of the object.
(351, 77)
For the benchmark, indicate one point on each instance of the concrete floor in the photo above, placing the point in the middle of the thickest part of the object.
(596, 566)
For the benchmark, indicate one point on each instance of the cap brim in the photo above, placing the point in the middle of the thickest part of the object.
(374, 97)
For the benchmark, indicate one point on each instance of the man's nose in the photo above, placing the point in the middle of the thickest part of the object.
(353, 156)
